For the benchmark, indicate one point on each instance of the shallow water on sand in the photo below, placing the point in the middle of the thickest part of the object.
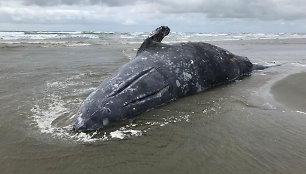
(254, 125)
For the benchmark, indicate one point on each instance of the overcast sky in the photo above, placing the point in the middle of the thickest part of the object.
(145, 15)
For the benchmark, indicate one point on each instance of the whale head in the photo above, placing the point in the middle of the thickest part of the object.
(125, 94)
(94, 114)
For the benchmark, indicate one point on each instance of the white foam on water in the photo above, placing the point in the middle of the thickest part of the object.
(169, 120)
(45, 117)
(117, 134)
(52, 109)
(83, 91)
(78, 44)
(301, 112)
(121, 134)
(64, 84)
(298, 64)
(45, 35)
(51, 39)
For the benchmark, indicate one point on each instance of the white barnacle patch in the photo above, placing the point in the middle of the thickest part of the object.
(131, 89)
(170, 63)
(80, 119)
(178, 84)
(187, 76)
(116, 85)
(88, 100)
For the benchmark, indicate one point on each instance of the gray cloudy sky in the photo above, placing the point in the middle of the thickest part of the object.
(145, 15)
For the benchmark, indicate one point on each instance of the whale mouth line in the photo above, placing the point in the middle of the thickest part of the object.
(130, 81)
(150, 96)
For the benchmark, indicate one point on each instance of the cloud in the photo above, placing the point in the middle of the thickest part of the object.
(259, 9)
(77, 2)
(126, 15)
(147, 12)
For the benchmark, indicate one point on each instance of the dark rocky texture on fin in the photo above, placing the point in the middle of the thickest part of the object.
(159, 33)
(156, 36)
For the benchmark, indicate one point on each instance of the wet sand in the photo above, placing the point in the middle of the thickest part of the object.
(231, 129)
(291, 91)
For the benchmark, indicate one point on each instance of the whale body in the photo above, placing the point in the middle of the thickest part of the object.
(160, 73)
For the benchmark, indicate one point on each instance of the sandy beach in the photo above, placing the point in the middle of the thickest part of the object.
(291, 91)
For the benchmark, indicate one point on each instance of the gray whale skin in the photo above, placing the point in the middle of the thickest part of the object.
(160, 73)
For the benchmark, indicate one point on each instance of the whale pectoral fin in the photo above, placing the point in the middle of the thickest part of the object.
(157, 36)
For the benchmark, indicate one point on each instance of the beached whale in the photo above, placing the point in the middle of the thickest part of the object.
(160, 73)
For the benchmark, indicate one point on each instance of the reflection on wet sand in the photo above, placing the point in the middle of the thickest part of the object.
(291, 91)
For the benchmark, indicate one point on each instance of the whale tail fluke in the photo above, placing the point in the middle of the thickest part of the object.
(262, 67)
(157, 36)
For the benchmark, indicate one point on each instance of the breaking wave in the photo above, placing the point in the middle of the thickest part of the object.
(72, 39)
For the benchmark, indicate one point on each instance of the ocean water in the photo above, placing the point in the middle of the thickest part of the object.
(254, 125)
(47, 39)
